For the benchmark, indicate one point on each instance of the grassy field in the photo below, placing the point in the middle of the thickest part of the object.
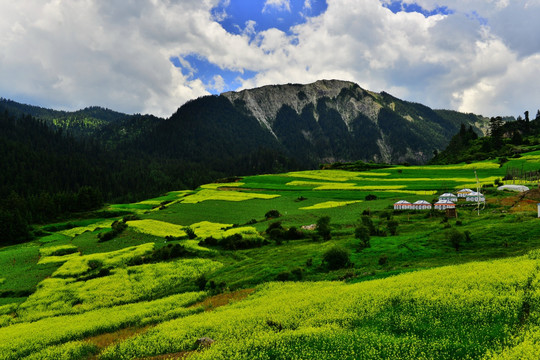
(410, 295)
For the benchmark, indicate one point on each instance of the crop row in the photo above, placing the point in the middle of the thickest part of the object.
(23, 339)
(445, 313)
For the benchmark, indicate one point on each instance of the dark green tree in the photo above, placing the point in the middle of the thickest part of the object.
(362, 233)
(323, 227)
(336, 258)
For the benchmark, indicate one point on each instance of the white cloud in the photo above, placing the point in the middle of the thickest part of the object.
(217, 83)
(96, 52)
(280, 5)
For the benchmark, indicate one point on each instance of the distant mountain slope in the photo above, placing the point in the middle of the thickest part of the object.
(83, 122)
(333, 120)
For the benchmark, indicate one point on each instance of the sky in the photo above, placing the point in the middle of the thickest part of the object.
(151, 56)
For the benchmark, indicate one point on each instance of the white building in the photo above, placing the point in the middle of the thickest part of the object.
(449, 197)
(402, 205)
(475, 196)
(421, 205)
(463, 193)
(444, 204)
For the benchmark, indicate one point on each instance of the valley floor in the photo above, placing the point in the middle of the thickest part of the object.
(206, 264)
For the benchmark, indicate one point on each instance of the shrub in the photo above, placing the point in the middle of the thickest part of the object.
(274, 225)
(362, 233)
(94, 264)
(309, 262)
(323, 227)
(383, 260)
(456, 238)
(201, 282)
(368, 223)
(209, 241)
(272, 214)
(277, 234)
(298, 273)
(190, 233)
(392, 227)
(283, 276)
(117, 228)
(371, 197)
(336, 258)
(294, 233)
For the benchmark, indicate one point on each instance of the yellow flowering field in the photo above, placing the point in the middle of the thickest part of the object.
(57, 296)
(329, 204)
(215, 186)
(79, 265)
(472, 166)
(38, 339)
(450, 312)
(58, 259)
(157, 228)
(49, 250)
(81, 229)
(211, 194)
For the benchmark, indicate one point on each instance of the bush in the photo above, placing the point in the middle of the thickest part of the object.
(456, 238)
(298, 273)
(362, 233)
(392, 227)
(371, 197)
(383, 260)
(117, 228)
(294, 233)
(272, 214)
(277, 234)
(190, 233)
(336, 258)
(323, 227)
(283, 276)
(209, 241)
(274, 225)
(201, 282)
(309, 262)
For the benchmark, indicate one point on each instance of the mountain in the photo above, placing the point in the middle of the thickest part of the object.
(326, 121)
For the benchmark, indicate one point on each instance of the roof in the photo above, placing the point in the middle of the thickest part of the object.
(465, 190)
(447, 195)
(403, 202)
(474, 193)
(422, 202)
(444, 202)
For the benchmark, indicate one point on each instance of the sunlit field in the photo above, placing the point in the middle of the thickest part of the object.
(425, 286)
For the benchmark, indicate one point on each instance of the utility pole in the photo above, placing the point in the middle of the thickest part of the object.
(477, 192)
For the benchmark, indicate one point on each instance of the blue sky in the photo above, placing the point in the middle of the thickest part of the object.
(247, 17)
(143, 56)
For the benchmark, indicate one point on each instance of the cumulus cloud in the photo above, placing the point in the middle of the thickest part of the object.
(482, 57)
(280, 5)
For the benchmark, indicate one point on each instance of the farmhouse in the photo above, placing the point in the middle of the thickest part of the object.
(403, 205)
(463, 193)
(444, 204)
(475, 196)
(449, 197)
(421, 205)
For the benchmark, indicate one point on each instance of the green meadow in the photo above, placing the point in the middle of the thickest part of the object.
(231, 262)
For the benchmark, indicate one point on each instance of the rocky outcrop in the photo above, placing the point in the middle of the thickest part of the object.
(334, 120)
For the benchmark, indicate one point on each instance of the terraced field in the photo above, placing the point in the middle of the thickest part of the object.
(415, 292)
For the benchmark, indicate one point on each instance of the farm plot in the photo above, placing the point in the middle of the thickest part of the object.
(471, 309)
(122, 285)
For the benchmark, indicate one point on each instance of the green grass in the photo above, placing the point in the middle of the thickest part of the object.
(426, 300)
